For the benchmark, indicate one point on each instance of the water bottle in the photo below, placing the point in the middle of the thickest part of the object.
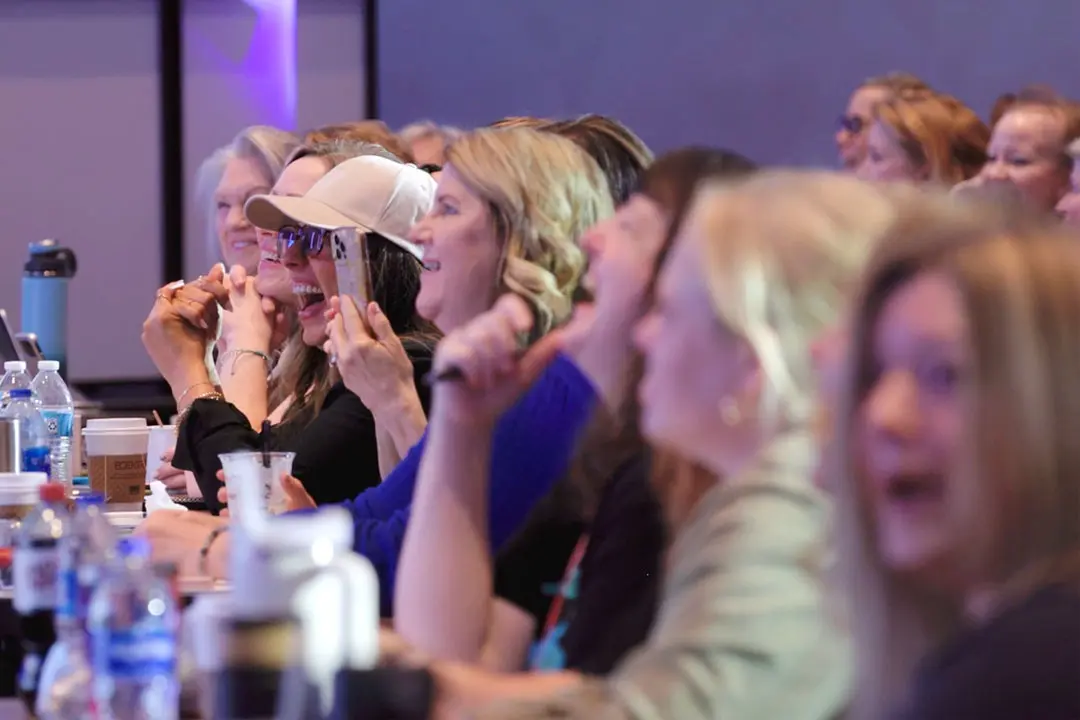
(33, 433)
(64, 691)
(58, 410)
(45, 297)
(15, 378)
(34, 568)
(133, 623)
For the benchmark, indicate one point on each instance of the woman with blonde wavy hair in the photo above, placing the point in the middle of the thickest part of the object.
(959, 474)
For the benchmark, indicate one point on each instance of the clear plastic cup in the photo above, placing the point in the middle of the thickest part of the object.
(253, 486)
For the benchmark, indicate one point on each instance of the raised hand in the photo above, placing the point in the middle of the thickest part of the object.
(181, 326)
(370, 357)
(494, 372)
(250, 320)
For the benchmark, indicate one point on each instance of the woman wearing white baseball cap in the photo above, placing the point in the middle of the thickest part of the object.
(331, 431)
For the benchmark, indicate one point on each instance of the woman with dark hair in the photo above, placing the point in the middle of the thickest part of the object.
(619, 152)
(607, 550)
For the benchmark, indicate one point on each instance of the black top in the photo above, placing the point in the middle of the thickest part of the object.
(337, 455)
(1025, 664)
(606, 603)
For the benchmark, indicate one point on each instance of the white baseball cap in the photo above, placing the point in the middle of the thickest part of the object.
(372, 193)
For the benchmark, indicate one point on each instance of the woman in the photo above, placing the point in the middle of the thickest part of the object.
(930, 138)
(959, 481)
(851, 135)
(488, 612)
(251, 165)
(324, 422)
(1028, 148)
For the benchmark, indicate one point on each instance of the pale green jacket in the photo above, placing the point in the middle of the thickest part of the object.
(746, 629)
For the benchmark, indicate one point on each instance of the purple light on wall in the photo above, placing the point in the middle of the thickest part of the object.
(270, 64)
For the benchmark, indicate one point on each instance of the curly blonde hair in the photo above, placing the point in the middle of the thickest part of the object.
(543, 192)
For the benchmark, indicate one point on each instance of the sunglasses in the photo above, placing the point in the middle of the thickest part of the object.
(852, 123)
(308, 240)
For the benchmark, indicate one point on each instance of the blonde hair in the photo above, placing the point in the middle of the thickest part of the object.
(938, 133)
(543, 192)
(1019, 284)
(781, 250)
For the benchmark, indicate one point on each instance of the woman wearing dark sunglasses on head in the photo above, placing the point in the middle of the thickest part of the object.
(327, 426)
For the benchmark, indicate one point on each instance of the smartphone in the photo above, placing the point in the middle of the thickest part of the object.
(349, 248)
(29, 347)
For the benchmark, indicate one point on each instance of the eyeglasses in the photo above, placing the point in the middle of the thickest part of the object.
(307, 239)
(852, 123)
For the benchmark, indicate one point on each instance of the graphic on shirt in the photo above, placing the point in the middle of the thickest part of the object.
(548, 652)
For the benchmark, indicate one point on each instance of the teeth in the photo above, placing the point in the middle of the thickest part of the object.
(270, 257)
(306, 290)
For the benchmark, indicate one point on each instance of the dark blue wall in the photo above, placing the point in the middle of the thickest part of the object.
(767, 77)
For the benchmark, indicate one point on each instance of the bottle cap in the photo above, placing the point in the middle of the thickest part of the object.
(47, 365)
(52, 492)
(133, 546)
(90, 498)
(14, 366)
(22, 393)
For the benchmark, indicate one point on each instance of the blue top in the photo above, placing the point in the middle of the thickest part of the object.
(531, 449)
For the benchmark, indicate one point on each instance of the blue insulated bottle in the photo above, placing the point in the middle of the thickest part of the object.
(45, 298)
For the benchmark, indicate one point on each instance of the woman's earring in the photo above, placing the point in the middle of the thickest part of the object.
(729, 411)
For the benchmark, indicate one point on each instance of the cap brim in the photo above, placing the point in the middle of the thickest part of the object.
(273, 212)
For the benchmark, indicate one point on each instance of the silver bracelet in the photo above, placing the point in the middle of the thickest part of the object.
(235, 354)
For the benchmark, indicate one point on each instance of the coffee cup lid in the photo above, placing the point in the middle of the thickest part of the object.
(110, 424)
(22, 481)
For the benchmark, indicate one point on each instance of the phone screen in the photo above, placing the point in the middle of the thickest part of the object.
(351, 263)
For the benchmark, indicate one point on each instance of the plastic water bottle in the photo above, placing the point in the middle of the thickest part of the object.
(54, 401)
(15, 378)
(33, 432)
(133, 623)
(64, 692)
(35, 570)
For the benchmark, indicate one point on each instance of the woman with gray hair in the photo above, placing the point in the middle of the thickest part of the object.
(249, 165)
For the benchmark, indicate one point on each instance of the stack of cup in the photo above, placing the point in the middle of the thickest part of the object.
(18, 496)
(116, 458)
(162, 438)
